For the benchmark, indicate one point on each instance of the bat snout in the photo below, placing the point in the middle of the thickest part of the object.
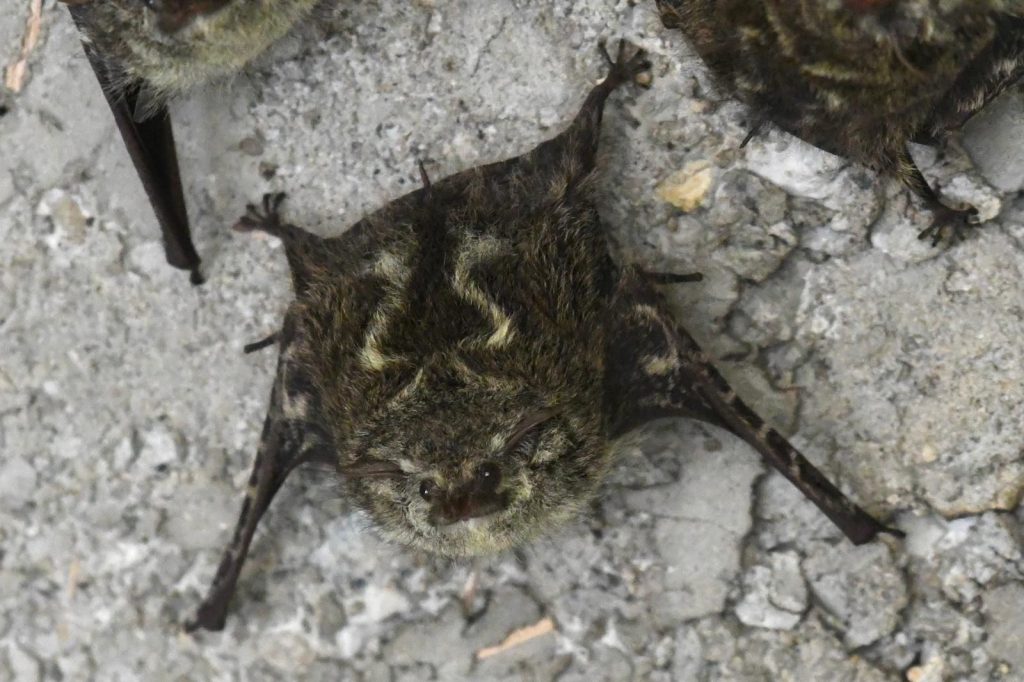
(174, 15)
(463, 504)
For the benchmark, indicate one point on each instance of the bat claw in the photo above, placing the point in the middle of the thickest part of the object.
(244, 224)
(895, 532)
(754, 131)
(266, 217)
(211, 615)
(625, 67)
(424, 178)
(272, 202)
(261, 344)
(950, 224)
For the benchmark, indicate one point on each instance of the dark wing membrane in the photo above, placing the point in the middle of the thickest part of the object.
(150, 144)
(654, 369)
(288, 440)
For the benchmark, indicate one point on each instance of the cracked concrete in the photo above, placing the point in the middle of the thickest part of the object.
(128, 415)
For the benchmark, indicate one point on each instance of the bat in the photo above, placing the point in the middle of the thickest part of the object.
(862, 78)
(144, 52)
(465, 357)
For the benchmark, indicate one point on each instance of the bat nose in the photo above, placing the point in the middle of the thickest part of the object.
(465, 503)
(454, 507)
(174, 15)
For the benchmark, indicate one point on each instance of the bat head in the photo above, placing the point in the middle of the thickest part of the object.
(174, 15)
(461, 467)
(174, 45)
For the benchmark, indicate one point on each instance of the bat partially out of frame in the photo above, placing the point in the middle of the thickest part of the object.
(145, 51)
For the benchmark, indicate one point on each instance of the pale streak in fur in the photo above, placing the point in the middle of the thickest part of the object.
(469, 374)
(294, 406)
(549, 448)
(396, 272)
(409, 390)
(656, 365)
(650, 313)
(472, 251)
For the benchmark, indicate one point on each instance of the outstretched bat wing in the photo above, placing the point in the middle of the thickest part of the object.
(288, 440)
(655, 369)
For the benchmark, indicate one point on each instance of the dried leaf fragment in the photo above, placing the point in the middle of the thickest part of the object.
(687, 188)
(518, 638)
(14, 75)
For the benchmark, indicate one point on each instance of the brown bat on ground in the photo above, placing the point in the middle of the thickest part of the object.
(465, 357)
(145, 51)
(861, 78)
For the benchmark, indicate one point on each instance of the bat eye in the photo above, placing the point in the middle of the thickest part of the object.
(488, 475)
(427, 489)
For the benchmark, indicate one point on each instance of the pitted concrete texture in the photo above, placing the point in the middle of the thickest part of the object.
(129, 416)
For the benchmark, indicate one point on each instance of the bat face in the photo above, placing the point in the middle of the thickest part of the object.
(433, 479)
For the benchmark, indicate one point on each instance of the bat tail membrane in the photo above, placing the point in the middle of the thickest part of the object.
(306, 251)
(585, 130)
(575, 150)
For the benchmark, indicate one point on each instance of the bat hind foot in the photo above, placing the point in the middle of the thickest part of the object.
(951, 225)
(265, 218)
(628, 65)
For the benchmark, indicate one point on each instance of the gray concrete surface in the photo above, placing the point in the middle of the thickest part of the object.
(128, 415)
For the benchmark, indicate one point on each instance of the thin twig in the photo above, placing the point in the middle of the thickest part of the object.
(14, 75)
(518, 638)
